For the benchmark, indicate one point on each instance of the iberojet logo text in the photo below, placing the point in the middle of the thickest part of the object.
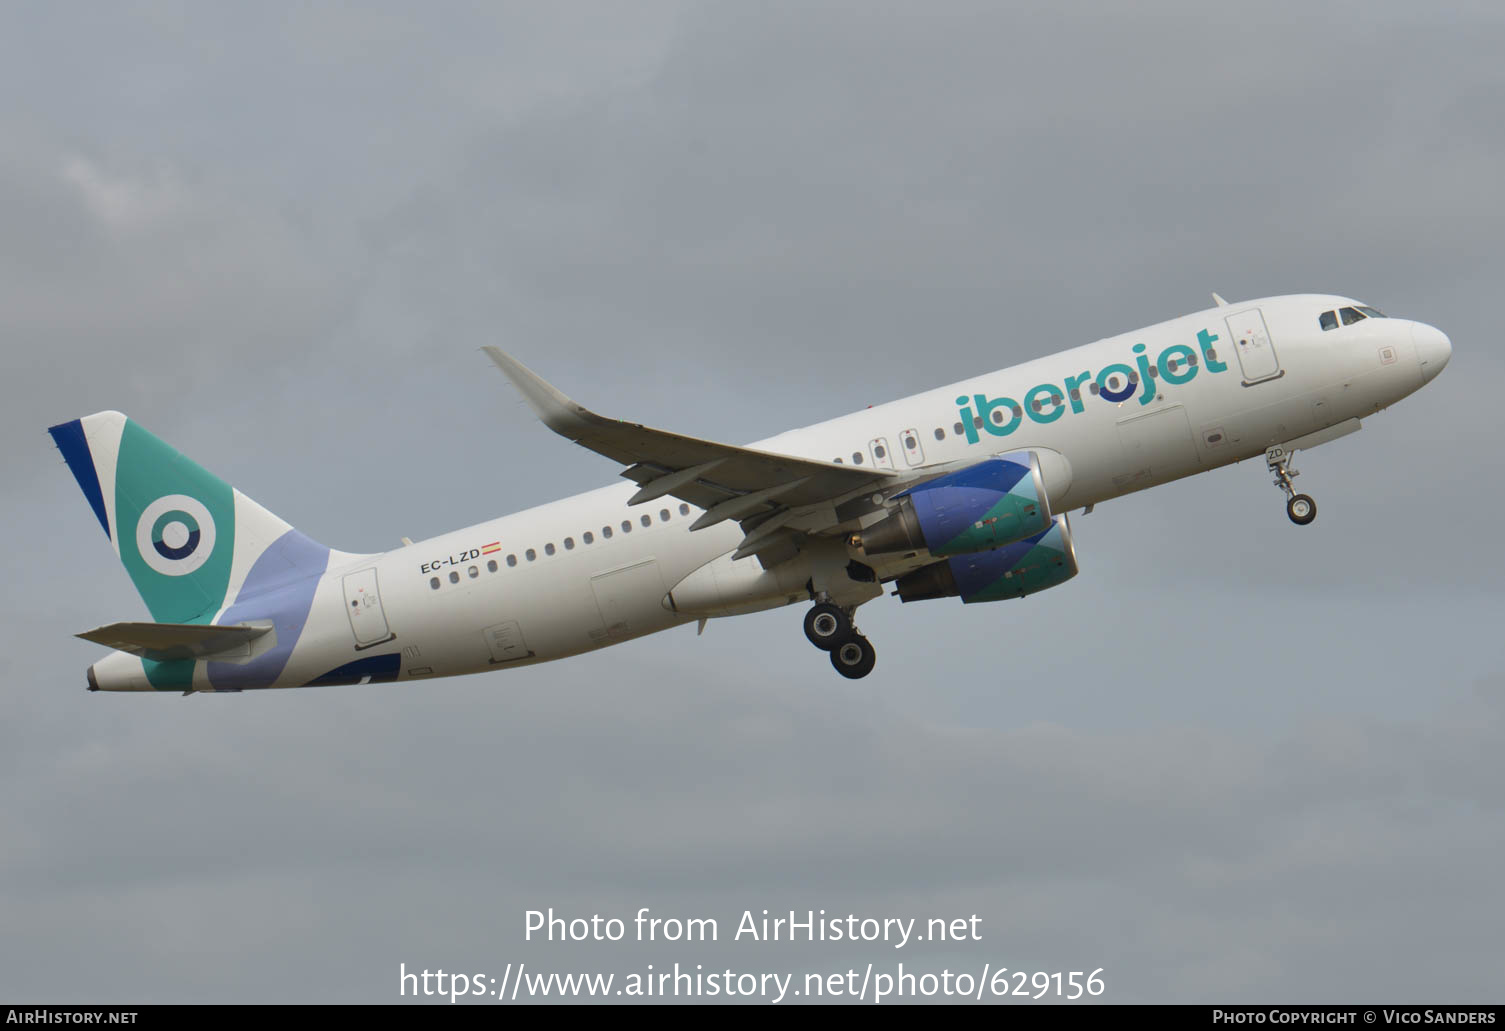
(1047, 402)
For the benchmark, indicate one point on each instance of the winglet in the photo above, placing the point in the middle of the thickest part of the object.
(559, 413)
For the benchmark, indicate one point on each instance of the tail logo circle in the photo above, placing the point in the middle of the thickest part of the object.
(175, 535)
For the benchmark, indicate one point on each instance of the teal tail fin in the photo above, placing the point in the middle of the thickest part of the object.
(187, 538)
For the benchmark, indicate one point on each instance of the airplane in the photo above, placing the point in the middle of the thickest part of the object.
(960, 492)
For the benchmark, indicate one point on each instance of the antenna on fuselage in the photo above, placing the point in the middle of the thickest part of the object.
(1218, 298)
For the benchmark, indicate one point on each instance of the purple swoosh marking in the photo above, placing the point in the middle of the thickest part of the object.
(280, 587)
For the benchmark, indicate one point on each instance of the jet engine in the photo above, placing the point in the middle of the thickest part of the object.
(1036, 563)
(996, 502)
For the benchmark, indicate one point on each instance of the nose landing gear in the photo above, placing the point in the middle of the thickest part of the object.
(829, 627)
(1299, 507)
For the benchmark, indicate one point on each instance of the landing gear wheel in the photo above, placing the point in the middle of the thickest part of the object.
(827, 626)
(1302, 509)
(854, 658)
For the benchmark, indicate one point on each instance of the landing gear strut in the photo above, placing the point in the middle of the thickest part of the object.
(829, 627)
(1300, 507)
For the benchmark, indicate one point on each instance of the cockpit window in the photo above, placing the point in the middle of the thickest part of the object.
(1373, 313)
(1350, 315)
(1329, 320)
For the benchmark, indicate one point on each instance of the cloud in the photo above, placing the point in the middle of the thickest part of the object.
(1074, 846)
(123, 203)
(1232, 759)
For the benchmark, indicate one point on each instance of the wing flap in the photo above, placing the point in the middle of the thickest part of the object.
(166, 642)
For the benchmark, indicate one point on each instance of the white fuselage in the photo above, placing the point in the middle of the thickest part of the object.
(528, 587)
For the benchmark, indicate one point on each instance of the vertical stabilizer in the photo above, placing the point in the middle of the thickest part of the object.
(186, 537)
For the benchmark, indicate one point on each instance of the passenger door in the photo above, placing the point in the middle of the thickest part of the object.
(368, 621)
(1256, 352)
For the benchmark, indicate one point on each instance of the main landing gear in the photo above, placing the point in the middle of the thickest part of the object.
(829, 627)
(1300, 507)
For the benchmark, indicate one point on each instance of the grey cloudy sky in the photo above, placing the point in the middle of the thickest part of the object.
(1232, 760)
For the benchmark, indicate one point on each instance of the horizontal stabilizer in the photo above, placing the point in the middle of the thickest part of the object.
(167, 642)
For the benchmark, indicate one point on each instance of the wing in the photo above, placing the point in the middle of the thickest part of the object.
(764, 491)
(165, 642)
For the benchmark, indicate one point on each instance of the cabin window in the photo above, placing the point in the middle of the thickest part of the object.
(530, 554)
(998, 416)
(548, 549)
(684, 509)
(606, 533)
(879, 452)
(663, 515)
(1076, 395)
(646, 520)
(1328, 320)
(569, 544)
(626, 525)
(940, 434)
(957, 429)
(454, 577)
(491, 565)
(474, 572)
(511, 560)
(588, 537)
(434, 582)
(856, 457)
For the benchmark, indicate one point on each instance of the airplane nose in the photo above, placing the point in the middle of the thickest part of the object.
(1433, 349)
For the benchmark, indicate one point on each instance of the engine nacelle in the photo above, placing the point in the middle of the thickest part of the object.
(996, 502)
(1023, 567)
